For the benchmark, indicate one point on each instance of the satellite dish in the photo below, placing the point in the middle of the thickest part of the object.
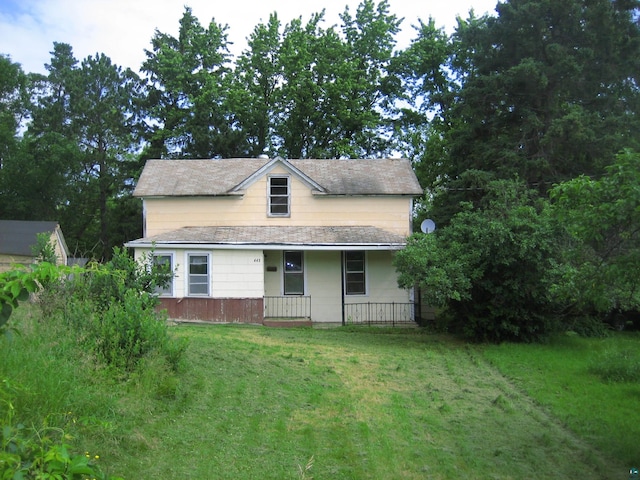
(427, 226)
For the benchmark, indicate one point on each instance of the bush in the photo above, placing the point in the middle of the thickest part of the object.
(113, 306)
(491, 268)
(588, 326)
(126, 332)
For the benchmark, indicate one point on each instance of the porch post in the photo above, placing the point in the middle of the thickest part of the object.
(342, 285)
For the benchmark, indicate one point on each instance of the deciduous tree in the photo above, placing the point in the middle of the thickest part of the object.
(188, 92)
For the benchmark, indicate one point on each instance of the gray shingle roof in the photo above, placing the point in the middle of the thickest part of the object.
(276, 236)
(220, 176)
(17, 236)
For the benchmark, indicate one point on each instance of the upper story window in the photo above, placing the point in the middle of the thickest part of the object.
(279, 196)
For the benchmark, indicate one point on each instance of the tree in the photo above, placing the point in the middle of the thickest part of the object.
(370, 37)
(37, 177)
(311, 60)
(72, 164)
(105, 115)
(311, 92)
(335, 87)
(257, 80)
(188, 88)
(13, 105)
(13, 109)
(602, 219)
(545, 90)
(492, 268)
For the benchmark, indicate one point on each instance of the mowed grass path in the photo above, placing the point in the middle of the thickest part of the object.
(259, 403)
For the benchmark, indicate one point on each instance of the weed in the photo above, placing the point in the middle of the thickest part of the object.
(304, 471)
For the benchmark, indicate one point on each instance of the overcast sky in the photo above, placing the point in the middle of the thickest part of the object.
(122, 29)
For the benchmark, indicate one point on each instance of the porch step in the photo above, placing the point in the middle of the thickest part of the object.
(287, 322)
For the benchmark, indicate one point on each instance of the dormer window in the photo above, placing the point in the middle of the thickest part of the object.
(279, 196)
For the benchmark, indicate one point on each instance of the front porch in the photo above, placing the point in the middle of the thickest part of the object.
(288, 311)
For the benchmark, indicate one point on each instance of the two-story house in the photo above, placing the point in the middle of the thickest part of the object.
(260, 240)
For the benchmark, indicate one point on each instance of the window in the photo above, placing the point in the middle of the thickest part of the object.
(279, 196)
(354, 273)
(165, 261)
(198, 274)
(293, 273)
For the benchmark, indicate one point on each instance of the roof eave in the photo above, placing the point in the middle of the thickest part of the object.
(264, 246)
(236, 194)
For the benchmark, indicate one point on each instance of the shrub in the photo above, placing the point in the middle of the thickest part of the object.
(588, 326)
(125, 332)
(113, 306)
(491, 268)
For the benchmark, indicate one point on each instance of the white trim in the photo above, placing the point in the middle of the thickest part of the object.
(269, 195)
(284, 273)
(267, 246)
(268, 167)
(187, 291)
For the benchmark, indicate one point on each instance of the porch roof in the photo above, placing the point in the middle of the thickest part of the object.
(276, 238)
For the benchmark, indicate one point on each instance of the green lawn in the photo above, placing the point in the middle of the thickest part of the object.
(560, 376)
(254, 402)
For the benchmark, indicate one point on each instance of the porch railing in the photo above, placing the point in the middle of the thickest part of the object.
(287, 307)
(380, 313)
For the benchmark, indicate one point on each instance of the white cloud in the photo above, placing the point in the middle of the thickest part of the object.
(122, 29)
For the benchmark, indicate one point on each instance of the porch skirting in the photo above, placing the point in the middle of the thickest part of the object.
(215, 310)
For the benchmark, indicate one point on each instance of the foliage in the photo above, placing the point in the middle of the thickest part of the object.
(127, 332)
(16, 286)
(114, 305)
(491, 267)
(40, 456)
(13, 107)
(32, 446)
(544, 90)
(602, 218)
(109, 282)
(75, 155)
(44, 250)
(188, 80)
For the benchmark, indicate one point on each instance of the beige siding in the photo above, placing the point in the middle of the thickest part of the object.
(389, 213)
(323, 282)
